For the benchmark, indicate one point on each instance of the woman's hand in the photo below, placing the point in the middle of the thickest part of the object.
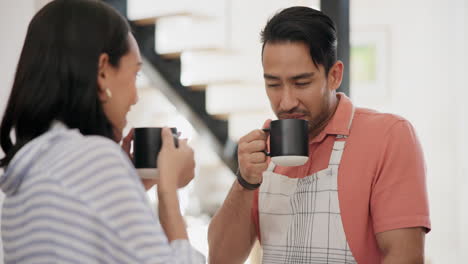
(176, 165)
(127, 143)
(126, 146)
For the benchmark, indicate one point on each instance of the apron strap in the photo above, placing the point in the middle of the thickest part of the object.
(339, 145)
(271, 166)
(352, 117)
(337, 152)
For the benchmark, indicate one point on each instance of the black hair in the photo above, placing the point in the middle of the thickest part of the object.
(306, 25)
(56, 76)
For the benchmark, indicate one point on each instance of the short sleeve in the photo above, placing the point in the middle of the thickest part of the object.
(399, 195)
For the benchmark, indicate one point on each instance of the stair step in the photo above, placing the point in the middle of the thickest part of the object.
(149, 10)
(182, 33)
(224, 117)
(210, 67)
(146, 112)
(246, 21)
(236, 97)
(242, 123)
(171, 56)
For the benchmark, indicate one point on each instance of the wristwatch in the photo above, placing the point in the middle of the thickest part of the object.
(244, 183)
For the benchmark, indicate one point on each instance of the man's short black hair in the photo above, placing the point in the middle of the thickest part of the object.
(306, 25)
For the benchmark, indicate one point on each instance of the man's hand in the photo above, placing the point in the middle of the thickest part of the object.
(251, 154)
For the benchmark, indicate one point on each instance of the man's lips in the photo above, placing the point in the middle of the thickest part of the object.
(292, 116)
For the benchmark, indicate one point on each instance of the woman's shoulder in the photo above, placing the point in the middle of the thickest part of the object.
(95, 142)
(92, 146)
(72, 140)
(69, 147)
(63, 153)
(79, 157)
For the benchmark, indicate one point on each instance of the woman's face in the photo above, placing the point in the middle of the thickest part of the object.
(121, 82)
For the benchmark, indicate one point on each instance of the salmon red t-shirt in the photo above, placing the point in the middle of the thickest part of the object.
(381, 179)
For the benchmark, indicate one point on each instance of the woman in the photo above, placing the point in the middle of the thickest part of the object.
(72, 194)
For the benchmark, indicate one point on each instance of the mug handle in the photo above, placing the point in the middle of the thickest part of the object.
(176, 140)
(266, 130)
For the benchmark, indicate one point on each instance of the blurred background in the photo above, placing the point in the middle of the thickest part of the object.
(202, 73)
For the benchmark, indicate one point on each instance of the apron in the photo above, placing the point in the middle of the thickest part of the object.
(300, 220)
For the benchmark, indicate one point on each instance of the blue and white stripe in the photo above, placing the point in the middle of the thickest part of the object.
(77, 199)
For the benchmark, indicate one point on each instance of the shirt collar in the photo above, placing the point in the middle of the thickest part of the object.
(340, 123)
(57, 126)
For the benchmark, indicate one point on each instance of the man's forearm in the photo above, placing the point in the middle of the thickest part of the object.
(400, 259)
(231, 231)
(402, 246)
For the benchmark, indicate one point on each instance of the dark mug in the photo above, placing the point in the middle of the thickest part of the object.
(289, 142)
(147, 144)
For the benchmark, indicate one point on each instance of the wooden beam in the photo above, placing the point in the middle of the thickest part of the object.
(338, 11)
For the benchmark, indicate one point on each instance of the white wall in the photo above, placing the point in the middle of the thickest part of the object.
(14, 20)
(462, 129)
(426, 86)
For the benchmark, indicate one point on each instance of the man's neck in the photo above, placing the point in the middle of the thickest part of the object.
(331, 112)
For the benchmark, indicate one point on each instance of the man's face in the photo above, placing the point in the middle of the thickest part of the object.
(295, 86)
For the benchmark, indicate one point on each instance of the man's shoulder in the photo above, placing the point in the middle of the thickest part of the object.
(374, 116)
(373, 122)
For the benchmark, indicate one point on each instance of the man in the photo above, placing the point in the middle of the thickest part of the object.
(361, 197)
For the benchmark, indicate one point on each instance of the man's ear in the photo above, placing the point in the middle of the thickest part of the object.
(335, 75)
(102, 76)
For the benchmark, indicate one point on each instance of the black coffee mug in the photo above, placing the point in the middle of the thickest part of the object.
(289, 142)
(147, 144)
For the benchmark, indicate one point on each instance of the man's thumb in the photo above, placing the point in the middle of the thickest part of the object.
(266, 124)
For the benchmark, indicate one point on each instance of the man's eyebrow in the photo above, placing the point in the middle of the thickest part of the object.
(303, 75)
(271, 77)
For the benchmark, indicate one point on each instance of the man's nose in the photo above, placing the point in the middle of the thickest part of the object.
(289, 99)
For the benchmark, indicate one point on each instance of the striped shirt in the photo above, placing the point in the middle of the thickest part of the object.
(77, 199)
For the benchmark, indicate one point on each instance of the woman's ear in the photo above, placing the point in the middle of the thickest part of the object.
(335, 75)
(102, 77)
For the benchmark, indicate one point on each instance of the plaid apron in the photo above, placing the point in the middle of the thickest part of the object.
(300, 219)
